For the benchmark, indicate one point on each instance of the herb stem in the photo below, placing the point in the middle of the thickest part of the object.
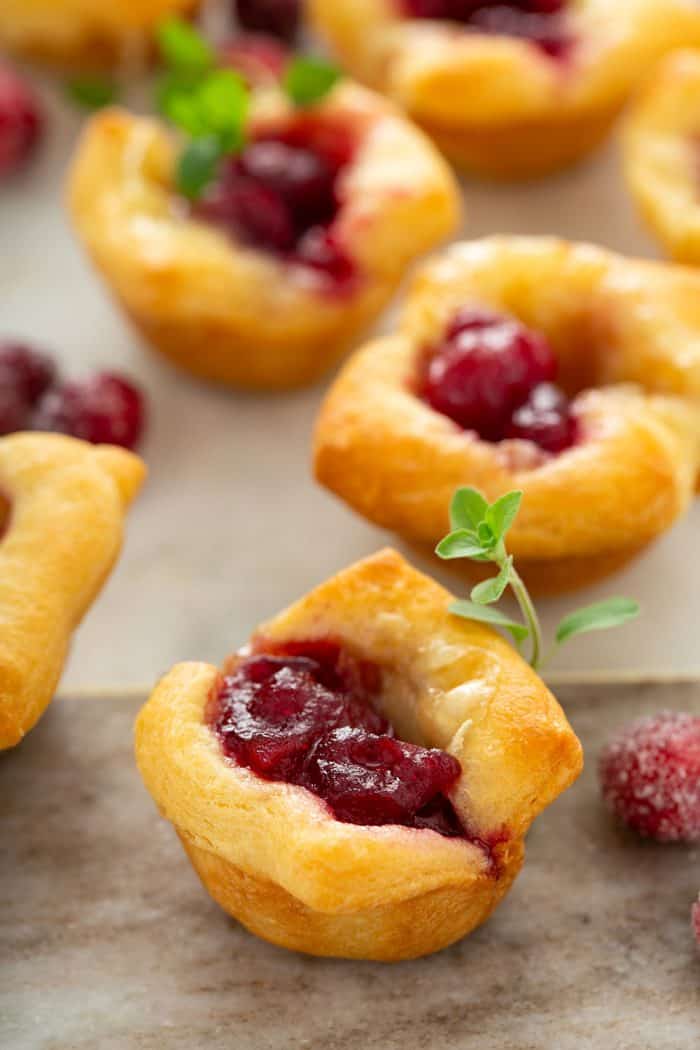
(530, 616)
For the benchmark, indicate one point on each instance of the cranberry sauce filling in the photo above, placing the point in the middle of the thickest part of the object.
(493, 375)
(542, 22)
(304, 716)
(281, 195)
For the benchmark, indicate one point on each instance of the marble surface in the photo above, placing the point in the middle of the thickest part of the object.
(231, 527)
(108, 940)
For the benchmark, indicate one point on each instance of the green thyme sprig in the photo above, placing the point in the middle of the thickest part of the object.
(478, 533)
(211, 104)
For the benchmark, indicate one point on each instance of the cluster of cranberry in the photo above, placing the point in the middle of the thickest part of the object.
(494, 376)
(102, 409)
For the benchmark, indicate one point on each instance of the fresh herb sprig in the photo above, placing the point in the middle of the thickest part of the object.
(478, 533)
(211, 103)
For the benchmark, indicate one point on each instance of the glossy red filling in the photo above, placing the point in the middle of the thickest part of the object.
(492, 375)
(542, 22)
(282, 195)
(304, 716)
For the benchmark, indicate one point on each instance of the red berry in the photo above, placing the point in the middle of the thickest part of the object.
(485, 369)
(104, 409)
(14, 411)
(29, 371)
(258, 58)
(538, 21)
(20, 121)
(650, 777)
(279, 18)
(546, 419)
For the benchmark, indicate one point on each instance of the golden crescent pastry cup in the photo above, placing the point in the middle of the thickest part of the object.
(85, 34)
(498, 105)
(232, 313)
(626, 334)
(661, 150)
(273, 855)
(63, 504)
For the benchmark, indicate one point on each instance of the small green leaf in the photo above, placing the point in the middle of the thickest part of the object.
(222, 101)
(598, 617)
(501, 514)
(92, 92)
(468, 509)
(197, 166)
(183, 48)
(486, 614)
(491, 590)
(460, 544)
(486, 535)
(308, 80)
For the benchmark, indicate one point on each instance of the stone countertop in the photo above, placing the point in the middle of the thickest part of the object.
(108, 940)
(230, 527)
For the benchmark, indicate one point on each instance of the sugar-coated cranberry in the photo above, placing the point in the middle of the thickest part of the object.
(546, 419)
(20, 121)
(485, 369)
(103, 409)
(650, 777)
(257, 57)
(30, 372)
(305, 717)
(279, 18)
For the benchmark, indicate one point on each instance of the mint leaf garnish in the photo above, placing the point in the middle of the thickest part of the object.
(468, 509)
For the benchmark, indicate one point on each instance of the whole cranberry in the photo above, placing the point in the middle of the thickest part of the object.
(485, 369)
(20, 121)
(104, 409)
(30, 371)
(279, 18)
(546, 419)
(301, 177)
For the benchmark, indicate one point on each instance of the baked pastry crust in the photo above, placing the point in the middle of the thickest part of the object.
(499, 106)
(231, 313)
(273, 856)
(64, 504)
(661, 150)
(84, 34)
(624, 331)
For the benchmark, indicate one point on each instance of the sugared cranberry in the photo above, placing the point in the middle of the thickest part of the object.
(485, 370)
(20, 121)
(280, 195)
(539, 21)
(104, 409)
(650, 777)
(280, 18)
(305, 717)
(546, 419)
